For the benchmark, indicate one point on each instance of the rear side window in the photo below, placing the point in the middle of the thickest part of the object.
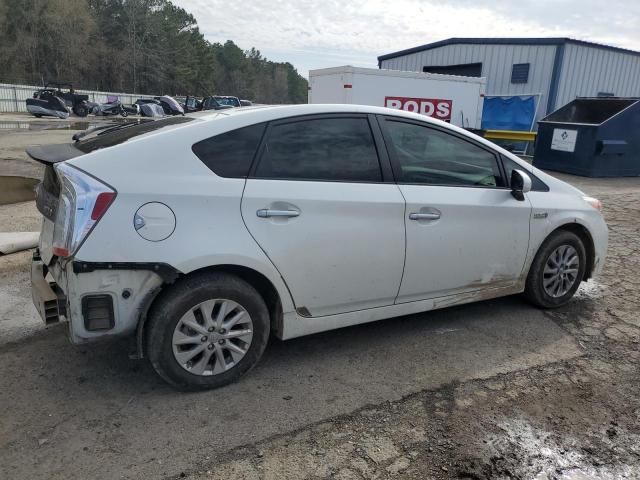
(230, 154)
(327, 149)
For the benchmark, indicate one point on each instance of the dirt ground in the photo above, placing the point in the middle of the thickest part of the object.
(575, 419)
(493, 390)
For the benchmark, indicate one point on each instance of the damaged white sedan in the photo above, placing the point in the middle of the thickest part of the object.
(202, 235)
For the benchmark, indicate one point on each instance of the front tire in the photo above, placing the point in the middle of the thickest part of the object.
(556, 271)
(207, 331)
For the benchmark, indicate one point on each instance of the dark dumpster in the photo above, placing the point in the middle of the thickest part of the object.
(592, 137)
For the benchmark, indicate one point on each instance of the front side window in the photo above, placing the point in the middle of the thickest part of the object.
(328, 149)
(431, 157)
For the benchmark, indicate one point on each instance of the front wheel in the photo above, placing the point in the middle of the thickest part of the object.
(556, 271)
(124, 113)
(207, 331)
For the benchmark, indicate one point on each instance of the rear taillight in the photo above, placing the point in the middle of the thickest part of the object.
(83, 201)
(102, 203)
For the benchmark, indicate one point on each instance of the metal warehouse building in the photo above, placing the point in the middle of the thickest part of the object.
(553, 70)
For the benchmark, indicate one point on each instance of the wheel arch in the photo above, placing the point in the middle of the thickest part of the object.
(261, 283)
(582, 232)
(257, 280)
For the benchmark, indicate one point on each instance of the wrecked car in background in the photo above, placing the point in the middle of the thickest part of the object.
(52, 101)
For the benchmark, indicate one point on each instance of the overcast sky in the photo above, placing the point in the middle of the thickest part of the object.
(317, 34)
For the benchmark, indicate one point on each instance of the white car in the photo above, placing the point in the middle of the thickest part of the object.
(202, 235)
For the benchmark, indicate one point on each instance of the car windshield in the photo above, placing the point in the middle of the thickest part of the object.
(122, 133)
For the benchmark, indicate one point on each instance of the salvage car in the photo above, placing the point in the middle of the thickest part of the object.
(289, 221)
(227, 100)
(210, 103)
(44, 101)
(190, 104)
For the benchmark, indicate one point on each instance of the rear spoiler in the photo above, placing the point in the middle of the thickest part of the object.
(50, 154)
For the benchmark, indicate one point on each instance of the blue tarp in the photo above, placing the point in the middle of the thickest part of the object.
(508, 113)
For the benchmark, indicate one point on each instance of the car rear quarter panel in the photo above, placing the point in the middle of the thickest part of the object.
(209, 228)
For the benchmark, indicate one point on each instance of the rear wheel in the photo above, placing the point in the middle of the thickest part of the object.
(207, 331)
(556, 271)
(81, 110)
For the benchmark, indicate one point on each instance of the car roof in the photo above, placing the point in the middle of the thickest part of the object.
(230, 119)
(275, 112)
(267, 113)
(58, 84)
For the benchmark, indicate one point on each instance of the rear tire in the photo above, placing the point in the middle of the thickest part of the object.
(81, 110)
(224, 350)
(557, 270)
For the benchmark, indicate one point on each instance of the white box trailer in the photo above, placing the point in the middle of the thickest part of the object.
(451, 98)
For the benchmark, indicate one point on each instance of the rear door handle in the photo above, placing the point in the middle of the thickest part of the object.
(266, 213)
(424, 216)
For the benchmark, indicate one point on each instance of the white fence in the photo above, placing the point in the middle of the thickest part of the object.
(12, 97)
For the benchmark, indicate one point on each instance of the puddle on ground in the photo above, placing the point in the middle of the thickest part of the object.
(17, 189)
(591, 290)
(548, 459)
(572, 474)
(64, 124)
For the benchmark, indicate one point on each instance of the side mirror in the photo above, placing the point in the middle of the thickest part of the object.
(520, 184)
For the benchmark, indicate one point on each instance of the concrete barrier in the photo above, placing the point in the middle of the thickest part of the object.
(11, 242)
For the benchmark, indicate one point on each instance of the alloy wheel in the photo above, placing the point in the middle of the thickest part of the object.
(212, 337)
(561, 271)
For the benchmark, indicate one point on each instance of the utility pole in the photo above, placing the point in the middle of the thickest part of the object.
(135, 77)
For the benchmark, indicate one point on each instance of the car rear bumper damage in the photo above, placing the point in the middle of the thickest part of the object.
(97, 300)
(47, 297)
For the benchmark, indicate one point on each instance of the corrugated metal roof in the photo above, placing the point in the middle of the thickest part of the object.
(504, 41)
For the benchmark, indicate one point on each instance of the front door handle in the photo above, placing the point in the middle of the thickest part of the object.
(266, 213)
(424, 216)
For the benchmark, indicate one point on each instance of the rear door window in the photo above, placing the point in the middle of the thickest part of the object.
(323, 149)
(230, 154)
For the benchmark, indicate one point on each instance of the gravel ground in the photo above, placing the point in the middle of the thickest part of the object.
(492, 390)
(20, 217)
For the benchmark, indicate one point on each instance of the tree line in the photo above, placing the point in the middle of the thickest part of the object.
(139, 46)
